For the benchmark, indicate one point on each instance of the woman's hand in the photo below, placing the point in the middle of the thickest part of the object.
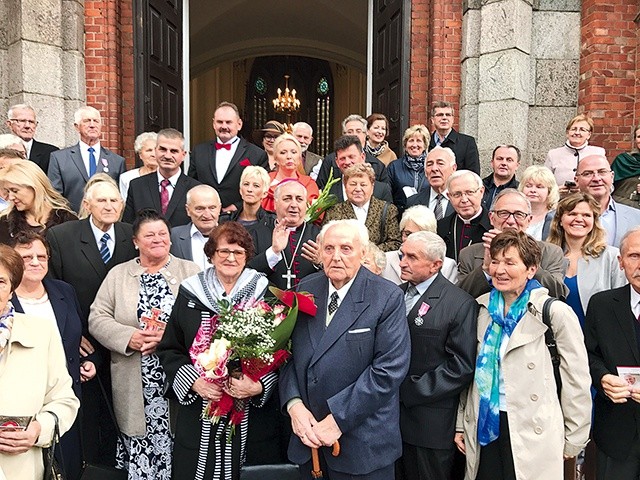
(145, 341)
(207, 390)
(20, 441)
(87, 371)
(243, 387)
(85, 347)
(458, 439)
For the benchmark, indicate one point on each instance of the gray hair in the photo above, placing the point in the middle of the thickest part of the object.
(83, 112)
(422, 216)
(19, 106)
(625, 238)
(281, 185)
(511, 191)
(142, 138)
(7, 139)
(446, 153)
(379, 257)
(302, 125)
(354, 117)
(433, 246)
(359, 230)
(461, 173)
(203, 189)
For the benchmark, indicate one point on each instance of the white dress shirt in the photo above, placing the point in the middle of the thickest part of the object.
(342, 292)
(361, 212)
(197, 248)
(97, 233)
(84, 152)
(172, 182)
(224, 156)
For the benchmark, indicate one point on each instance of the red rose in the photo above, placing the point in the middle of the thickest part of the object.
(245, 162)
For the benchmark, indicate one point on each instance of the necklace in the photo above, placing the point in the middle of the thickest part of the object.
(289, 275)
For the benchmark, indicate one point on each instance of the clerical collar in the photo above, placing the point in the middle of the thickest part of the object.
(467, 222)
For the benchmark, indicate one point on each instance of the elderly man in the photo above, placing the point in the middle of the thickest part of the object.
(352, 125)
(82, 253)
(470, 221)
(70, 168)
(21, 120)
(348, 363)
(13, 142)
(511, 210)
(287, 252)
(203, 208)
(166, 189)
(429, 395)
(594, 176)
(310, 161)
(505, 160)
(612, 337)
(349, 151)
(444, 135)
(439, 164)
(219, 163)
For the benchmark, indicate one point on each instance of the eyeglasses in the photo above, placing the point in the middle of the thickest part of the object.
(592, 173)
(468, 193)
(443, 114)
(225, 253)
(39, 258)
(505, 214)
(23, 121)
(270, 137)
(579, 129)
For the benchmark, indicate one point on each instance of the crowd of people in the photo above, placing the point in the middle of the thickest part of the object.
(466, 327)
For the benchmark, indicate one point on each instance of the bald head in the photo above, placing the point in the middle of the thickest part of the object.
(594, 176)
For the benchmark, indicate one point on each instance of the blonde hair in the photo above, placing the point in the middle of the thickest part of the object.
(541, 174)
(254, 171)
(416, 130)
(581, 118)
(288, 137)
(360, 170)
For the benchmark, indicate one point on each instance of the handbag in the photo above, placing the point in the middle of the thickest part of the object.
(52, 469)
(281, 471)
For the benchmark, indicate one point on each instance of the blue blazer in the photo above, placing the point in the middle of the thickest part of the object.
(352, 369)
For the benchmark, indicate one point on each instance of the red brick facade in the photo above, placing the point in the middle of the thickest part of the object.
(609, 71)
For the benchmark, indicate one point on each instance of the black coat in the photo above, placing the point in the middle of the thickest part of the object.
(465, 148)
(330, 162)
(40, 153)
(450, 230)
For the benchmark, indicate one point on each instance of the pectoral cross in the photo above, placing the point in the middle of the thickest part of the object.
(289, 276)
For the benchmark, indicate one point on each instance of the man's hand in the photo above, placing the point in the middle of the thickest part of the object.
(13, 443)
(87, 371)
(458, 439)
(327, 431)
(279, 237)
(311, 251)
(616, 388)
(85, 347)
(229, 209)
(302, 423)
(486, 242)
(207, 390)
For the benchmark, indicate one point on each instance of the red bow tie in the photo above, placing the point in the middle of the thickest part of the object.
(226, 146)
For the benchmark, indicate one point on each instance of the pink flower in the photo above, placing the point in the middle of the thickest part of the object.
(424, 308)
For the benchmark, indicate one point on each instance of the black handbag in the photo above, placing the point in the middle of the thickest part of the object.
(281, 471)
(52, 469)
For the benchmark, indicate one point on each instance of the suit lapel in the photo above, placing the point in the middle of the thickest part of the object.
(185, 242)
(212, 163)
(179, 193)
(316, 324)
(121, 246)
(624, 316)
(76, 157)
(89, 249)
(154, 191)
(431, 297)
(58, 304)
(240, 153)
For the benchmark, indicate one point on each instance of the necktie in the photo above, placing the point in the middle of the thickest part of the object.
(409, 298)
(226, 146)
(164, 195)
(104, 250)
(92, 162)
(333, 303)
(438, 208)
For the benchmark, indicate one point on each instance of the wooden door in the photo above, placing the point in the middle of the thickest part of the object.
(391, 30)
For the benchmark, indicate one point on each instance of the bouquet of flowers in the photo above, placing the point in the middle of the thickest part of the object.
(324, 201)
(248, 339)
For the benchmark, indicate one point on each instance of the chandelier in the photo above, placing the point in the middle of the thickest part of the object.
(287, 101)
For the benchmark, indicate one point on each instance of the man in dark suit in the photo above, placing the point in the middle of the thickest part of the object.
(470, 221)
(438, 167)
(304, 133)
(442, 323)
(612, 337)
(505, 161)
(203, 208)
(348, 363)
(76, 259)
(166, 189)
(21, 120)
(464, 146)
(352, 125)
(70, 168)
(220, 163)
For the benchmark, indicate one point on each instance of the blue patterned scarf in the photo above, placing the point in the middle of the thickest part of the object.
(487, 377)
(6, 325)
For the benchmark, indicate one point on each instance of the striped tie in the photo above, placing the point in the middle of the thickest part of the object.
(104, 250)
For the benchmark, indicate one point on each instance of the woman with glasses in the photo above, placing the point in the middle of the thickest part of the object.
(128, 317)
(266, 136)
(563, 161)
(593, 265)
(57, 302)
(201, 448)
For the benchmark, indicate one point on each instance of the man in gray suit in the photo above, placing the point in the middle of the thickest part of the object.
(311, 161)
(438, 167)
(594, 176)
(203, 208)
(70, 168)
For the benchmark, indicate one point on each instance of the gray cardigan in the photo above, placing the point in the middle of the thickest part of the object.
(598, 274)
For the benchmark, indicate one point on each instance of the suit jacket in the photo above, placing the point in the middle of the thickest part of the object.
(202, 167)
(422, 198)
(386, 236)
(450, 230)
(310, 160)
(611, 340)
(68, 174)
(381, 190)
(443, 351)
(465, 148)
(352, 369)
(329, 163)
(40, 153)
(553, 267)
(181, 241)
(144, 192)
(625, 218)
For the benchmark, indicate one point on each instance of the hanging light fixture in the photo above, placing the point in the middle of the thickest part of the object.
(286, 102)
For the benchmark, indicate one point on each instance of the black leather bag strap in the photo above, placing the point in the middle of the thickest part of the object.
(550, 340)
(107, 401)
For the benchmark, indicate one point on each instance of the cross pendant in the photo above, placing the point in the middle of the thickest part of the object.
(289, 276)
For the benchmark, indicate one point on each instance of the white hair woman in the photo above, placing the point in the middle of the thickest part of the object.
(145, 147)
(540, 187)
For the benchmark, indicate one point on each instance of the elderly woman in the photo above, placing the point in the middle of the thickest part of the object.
(57, 301)
(593, 265)
(266, 137)
(415, 219)
(626, 168)
(288, 157)
(512, 423)
(540, 187)
(563, 161)
(201, 450)
(145, 147)
(33, 380)
(406, 174)
(374, 259)
(13, 142)
(377, 131)
(34, 203)
(128, 317)
(380, 217)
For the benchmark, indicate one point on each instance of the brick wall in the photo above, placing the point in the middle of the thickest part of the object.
(109, 71)
(609, 71)
(420, 56)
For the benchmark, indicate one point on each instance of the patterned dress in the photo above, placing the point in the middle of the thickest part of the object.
(149, 456)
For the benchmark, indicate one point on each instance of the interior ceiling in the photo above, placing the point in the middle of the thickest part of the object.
(236, 29)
